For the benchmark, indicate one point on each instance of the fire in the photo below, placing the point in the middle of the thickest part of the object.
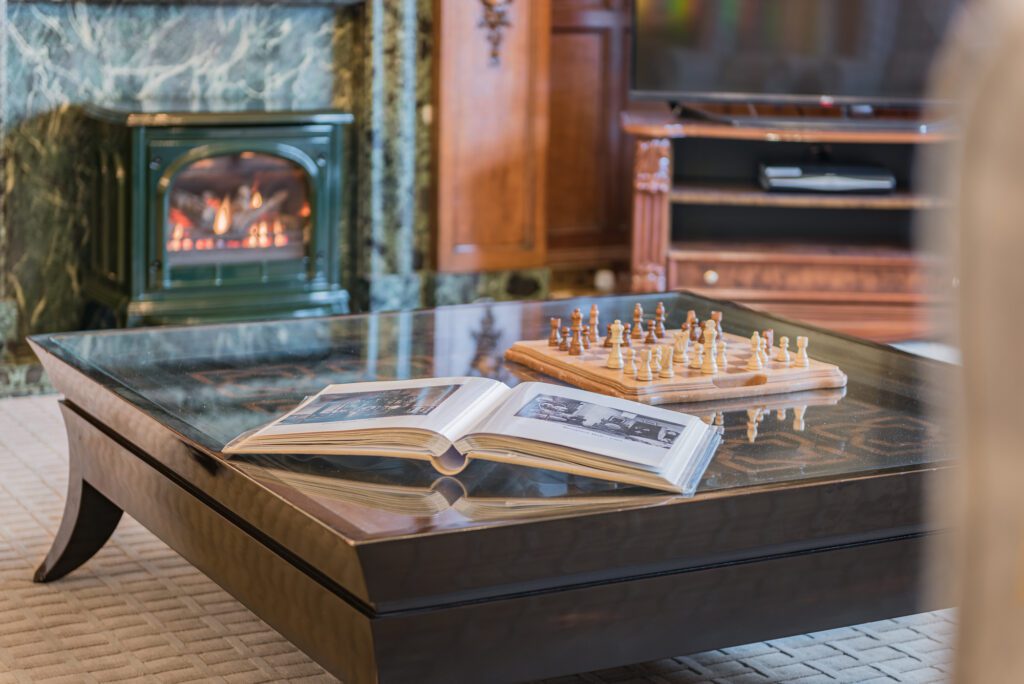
(222, 221)
(257, 200)
(304, 211)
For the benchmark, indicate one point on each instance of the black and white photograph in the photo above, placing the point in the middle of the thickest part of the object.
(333, 408)
(602, 420)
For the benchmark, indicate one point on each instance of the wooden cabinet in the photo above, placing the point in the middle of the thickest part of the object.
(492, 92)
(587, 168)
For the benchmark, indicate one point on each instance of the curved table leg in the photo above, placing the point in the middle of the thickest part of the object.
(89, 520)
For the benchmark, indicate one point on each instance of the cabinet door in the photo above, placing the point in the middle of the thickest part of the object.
(492, 133)
(588, 174)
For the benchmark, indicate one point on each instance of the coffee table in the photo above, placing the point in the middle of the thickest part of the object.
(381, 571)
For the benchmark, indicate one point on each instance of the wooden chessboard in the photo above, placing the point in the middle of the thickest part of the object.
(589, 372)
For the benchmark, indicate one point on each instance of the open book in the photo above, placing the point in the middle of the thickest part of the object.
(449, 420)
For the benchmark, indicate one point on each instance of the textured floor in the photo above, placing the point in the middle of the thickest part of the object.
(137, 611)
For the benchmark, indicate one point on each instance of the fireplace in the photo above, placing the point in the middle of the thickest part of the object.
(216, 216)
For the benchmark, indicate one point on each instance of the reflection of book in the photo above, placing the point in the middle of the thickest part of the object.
(484, 491)
(449, 420)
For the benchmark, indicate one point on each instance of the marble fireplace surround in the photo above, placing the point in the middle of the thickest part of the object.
(370, 57)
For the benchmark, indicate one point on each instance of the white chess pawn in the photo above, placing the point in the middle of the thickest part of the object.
(631, 368)
(656, 360)
(723, 361)
(682, 349)
(667, 371)
(697, 360)
(798, 414)
(645, 374)
(754, 363)
(710, 366)
(615, 356)
(765, 357)
(802, 359)
(783, 356)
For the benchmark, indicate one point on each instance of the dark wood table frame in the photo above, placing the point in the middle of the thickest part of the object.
(548, 597)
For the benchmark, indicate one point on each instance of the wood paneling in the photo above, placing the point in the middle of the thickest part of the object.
(587, 162)
(492, 135)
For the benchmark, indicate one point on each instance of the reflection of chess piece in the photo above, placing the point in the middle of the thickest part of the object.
(697, 360)
(754, 363)
(798, 413)
(638, 322)
(631, 368)
(555, 339)
(682, 348)
(667, 370)
(564, 344)
(710, 365)
(753, 418)
(615, 335)
(802, 359)
(645, 374)
(723, 361)
(783, 356)
(720, 418)
(593, 322)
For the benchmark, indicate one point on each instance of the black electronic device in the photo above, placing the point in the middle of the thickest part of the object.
(818, 52)
(826, 178)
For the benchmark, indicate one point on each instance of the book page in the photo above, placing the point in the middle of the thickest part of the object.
(445, 406)
(646, 436)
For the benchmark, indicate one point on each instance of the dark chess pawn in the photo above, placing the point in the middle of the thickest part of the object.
(564, 344)
(586, 337)
(652, 337)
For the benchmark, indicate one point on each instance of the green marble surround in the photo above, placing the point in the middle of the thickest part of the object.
(373, 59)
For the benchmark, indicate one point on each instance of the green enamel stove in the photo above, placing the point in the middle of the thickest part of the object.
(217, 216)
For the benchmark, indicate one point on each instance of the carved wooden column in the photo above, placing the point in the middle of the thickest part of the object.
(652, 180)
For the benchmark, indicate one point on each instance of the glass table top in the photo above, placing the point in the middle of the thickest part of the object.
(212, 383)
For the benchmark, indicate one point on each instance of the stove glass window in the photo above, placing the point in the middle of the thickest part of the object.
(238, 208)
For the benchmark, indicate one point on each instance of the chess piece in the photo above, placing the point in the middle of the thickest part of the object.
(764, 352)
(697, 360)
(754, 363)
(783, 356)
(716, 316)
(615, 335)
(638, 322)
(798, 413)
(555, 338)
(585, 337)
(659, 320)
(576, 343)
(667, 370)
(694, 325)
(645, 374)
(710, 365)
(651, 338)
(769, 335)
(608, 336)
(753, 418)
(682, 348)
(631, 368)
(656, 360)
(593, 322)
(802, 359)
(564, 344)
(627, 336)
(719, 419)
(723, 361)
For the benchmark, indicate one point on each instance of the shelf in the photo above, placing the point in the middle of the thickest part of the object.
(646, 124)
(796, 253)
(737, 195)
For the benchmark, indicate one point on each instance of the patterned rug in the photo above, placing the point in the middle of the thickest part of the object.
(138, 611)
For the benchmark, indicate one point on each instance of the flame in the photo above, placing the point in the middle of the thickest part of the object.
(278, 227)
(304, 211)
(178, 232)
(257, 200)
(222, 221)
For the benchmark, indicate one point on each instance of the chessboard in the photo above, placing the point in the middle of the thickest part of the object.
(651, 364)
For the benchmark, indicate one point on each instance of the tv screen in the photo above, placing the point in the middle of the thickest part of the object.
(850, 51)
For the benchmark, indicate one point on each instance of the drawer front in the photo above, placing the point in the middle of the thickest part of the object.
(724, 274)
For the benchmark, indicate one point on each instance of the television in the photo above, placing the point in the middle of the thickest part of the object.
(820, 52)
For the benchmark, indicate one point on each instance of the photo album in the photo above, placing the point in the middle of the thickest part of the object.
(448, 421)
